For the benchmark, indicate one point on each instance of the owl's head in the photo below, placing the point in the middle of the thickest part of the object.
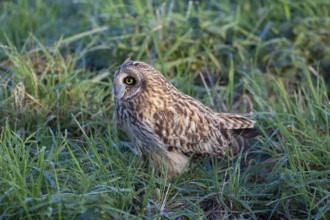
(130, 79)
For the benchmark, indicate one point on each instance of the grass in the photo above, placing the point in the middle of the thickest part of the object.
(60, 154)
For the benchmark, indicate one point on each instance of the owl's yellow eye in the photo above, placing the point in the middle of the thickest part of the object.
(129, 80)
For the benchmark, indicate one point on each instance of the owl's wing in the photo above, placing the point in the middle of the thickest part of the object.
(200, 133)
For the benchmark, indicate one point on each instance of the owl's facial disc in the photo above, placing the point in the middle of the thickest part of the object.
(127, 83)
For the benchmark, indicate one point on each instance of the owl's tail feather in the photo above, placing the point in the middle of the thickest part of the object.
(246, 132)
(240, 136)
(241, 127)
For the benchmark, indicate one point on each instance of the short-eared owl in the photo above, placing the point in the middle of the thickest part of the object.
(167, 125)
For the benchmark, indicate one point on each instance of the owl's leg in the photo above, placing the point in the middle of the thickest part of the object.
(169, 163)
(176, 162)
(169, 175)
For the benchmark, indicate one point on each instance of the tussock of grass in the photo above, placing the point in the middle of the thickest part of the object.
(60, 154)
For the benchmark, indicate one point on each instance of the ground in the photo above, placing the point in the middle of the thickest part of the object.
(62, 158)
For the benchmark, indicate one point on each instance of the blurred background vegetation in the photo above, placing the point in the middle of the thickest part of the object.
(56, 65)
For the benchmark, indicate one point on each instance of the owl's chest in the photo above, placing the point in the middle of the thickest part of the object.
(129, 116)
(136, 124)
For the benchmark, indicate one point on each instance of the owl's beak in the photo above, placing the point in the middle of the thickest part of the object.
(118, 90)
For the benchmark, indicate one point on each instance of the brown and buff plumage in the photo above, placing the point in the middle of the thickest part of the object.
(168, 125)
